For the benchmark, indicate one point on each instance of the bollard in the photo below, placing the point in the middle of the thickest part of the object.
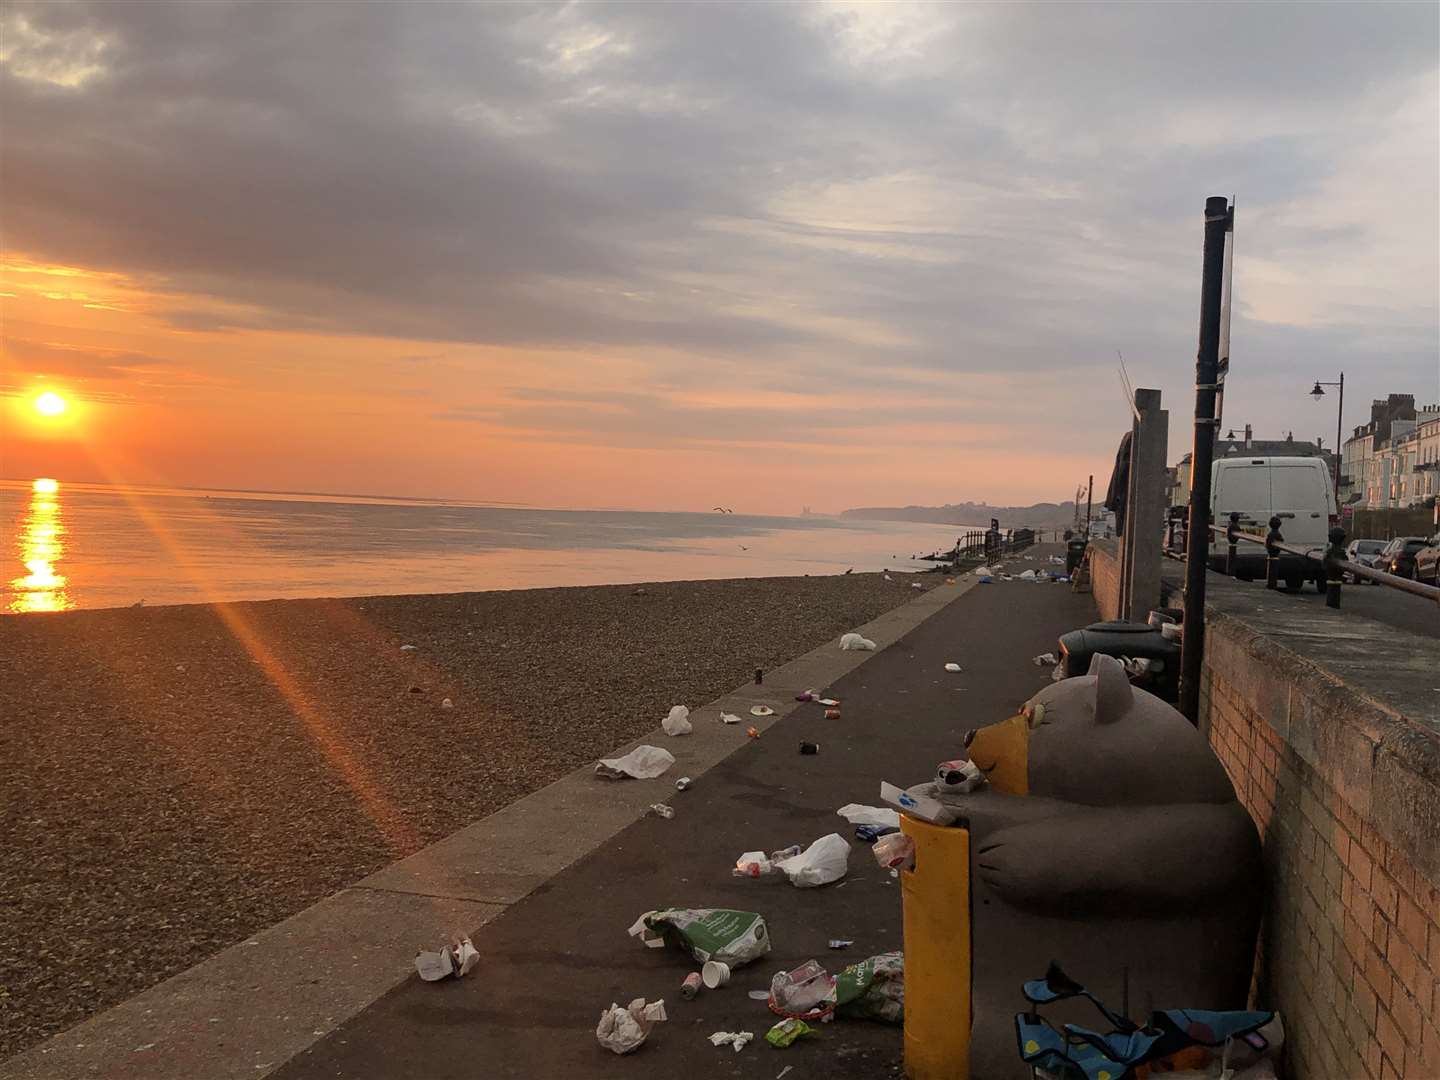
(1272, 554)
(1334, 572)
(1231, 531)
(937, 921)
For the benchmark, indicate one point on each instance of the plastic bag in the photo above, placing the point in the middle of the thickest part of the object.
(622, 1030)
(455, 959)
(802, 990)
(857, 814)
(873, 989)
(757, 864)
(854, 642)
(786, 1032)
(642, 763)
(895, 852)
(732, 937)
(824, 861)
(678, 722)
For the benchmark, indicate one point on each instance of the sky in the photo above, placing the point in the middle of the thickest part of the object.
(672, 256)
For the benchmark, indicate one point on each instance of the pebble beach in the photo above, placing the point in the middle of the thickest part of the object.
(178, 778)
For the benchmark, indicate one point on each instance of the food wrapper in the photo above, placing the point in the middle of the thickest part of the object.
(873, 989)
(455, 959)
(786, 1032)
(622, 1030)
(732, 937)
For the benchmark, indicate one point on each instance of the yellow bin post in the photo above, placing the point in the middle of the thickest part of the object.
(936, 896)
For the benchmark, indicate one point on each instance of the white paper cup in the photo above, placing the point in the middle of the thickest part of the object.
(715, 974)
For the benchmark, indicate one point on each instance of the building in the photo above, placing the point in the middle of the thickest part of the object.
(1232, 445)
(1393, 461)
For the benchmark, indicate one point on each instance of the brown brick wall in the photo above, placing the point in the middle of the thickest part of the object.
(1350, 949)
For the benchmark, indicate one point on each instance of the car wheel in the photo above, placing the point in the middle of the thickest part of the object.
(1293, 584)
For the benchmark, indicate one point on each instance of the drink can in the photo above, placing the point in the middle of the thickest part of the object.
(691, 986)
(809, 747)
(683, 784)
(832, 714)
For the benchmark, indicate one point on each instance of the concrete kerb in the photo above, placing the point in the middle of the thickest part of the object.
(253, 1006)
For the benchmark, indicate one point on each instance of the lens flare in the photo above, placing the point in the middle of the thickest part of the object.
(50, 404)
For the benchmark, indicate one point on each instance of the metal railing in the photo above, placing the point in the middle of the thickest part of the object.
(977, 546)
(1335, 566)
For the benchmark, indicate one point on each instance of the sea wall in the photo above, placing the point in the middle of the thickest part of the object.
(1336, 755)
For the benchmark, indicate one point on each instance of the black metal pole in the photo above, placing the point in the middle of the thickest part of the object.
(1339, 427)
(1218, 221)
(1089, 496)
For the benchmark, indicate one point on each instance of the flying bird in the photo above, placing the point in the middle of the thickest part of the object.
(723, 510)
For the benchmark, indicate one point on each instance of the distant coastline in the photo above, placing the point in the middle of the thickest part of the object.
(968, 513)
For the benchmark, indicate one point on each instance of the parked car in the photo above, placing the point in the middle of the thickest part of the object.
(1427, 562)
(1364, 552)
(1398, 558)
(1297, 490)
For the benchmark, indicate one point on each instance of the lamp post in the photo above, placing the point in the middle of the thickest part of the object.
(1317, 393)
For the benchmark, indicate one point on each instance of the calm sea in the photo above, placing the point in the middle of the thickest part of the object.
(91, 546)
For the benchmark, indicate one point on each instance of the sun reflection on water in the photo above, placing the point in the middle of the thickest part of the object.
(40, 544)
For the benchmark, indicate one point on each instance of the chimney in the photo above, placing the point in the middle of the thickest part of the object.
(1249, 437)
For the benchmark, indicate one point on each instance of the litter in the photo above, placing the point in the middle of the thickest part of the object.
(759, 995)
(840, 943)
(870, 833)
(407, 648)
(1028, 575)
(832, 714)
(869, 815)
(729, 718)
(622, 1030)
(455, 959)
(959, 776)
(1045, 659)
(952, 667)
(678, 721)
(446, 703)
(690, 988)
(828, 702)
(895, 852)
(643, 763)
(916, 585)
(920, 806)
(873, 989)
(854, 642)
(807, 695)
(781, 1074)
(659, 809)
(761, 710)
(683, 784)
(737, 1039)
(760, 866)
(803, 990)
(753, 732)
(732, 937)
(824, 861)
(809, 747)
(985, 571)
(715, 974)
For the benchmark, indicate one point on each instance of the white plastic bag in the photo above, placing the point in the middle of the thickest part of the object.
(622, 1030)
(853, 641)
(824, 861)
(643, 763)
(870, 815)
(678, 722)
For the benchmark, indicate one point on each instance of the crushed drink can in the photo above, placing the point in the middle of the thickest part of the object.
(840, 943)
(691, 986)
(832, 714)
(683, 784)
(809, 747)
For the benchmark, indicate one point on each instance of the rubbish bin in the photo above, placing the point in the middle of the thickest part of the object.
(1074, 554)
(1127, 640)
(936, 896)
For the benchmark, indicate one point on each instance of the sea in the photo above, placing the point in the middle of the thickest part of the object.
(71, 545)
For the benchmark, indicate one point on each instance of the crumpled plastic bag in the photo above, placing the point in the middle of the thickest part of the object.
(642, 763)
(678, 722)
(622, 1030)
(857, 814)
(873, 989)
(731, 937)
(985, 571)
(895, 852)
(824, 861)
(1045, 659)
(854, 642)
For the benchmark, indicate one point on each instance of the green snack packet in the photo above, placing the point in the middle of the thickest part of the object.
(732, 937)
(786, 1032)
(873, 989)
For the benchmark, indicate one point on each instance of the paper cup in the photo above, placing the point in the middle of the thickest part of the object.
(715, 974)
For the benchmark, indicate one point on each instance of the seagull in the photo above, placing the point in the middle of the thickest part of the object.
(723, 510)
(744, 548)
(850, 571)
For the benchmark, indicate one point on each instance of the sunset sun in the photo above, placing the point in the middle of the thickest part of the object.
(50, 404)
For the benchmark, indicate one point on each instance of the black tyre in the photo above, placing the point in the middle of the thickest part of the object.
(1294, 584)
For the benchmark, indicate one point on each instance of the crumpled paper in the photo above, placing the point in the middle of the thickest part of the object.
(737, 1039)
(643, 763)
(678, 721)
(622, 1030)
(852, 642)
(454, 959)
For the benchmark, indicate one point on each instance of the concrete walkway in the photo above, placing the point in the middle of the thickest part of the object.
(551, 962)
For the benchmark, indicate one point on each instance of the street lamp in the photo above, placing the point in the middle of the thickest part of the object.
(1317, 392)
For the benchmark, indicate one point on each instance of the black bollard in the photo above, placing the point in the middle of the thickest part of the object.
(1272, 554)
(1231, 531)
(1334, 572)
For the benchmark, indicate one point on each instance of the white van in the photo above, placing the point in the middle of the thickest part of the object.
(1297, 489)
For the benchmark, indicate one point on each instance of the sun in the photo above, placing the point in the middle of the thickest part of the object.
(50, 404)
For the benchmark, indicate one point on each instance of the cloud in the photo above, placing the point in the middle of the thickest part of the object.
(795, 195)
(78, 362)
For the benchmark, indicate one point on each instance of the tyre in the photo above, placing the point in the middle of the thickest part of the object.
(1294, 584)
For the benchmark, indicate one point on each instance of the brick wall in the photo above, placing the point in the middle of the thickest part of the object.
(1105, 577)
(1350, 950)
